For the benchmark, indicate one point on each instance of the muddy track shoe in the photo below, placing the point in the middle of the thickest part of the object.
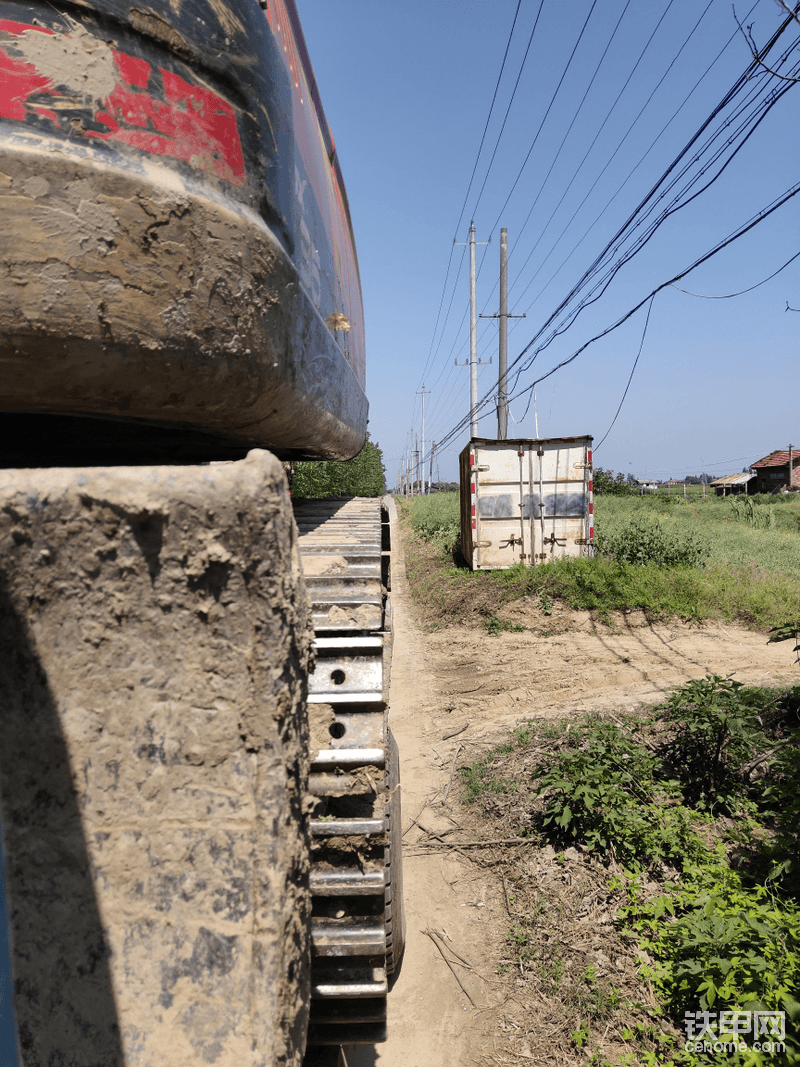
(357, 931)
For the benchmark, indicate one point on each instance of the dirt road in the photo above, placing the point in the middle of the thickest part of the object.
(448, 1015)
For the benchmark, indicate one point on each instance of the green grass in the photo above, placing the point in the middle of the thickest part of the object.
(750, 574)
(436, 518)
(733, 542)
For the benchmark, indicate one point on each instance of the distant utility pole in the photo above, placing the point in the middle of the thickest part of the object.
(423, 435)
(430, 473)
(473, 332)
(502, 396)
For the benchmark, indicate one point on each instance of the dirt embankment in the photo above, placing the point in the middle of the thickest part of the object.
(455, 693)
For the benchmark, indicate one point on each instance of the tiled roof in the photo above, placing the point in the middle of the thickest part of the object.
(779, 459)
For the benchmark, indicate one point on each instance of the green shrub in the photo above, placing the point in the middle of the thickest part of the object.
(646, 540)
(363, 475)
(726, 945)
(604, 794)
(606, 482)
(719, 727)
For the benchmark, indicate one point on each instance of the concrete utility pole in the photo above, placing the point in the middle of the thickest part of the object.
(502, 396)
(473, 333)
(423, 435)
(430, 473)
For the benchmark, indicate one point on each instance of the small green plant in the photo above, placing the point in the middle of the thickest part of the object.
(580, 1035)
(726, 945)
(546, 604)
(494, 626)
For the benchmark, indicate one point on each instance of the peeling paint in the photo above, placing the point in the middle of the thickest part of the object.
(124, 98)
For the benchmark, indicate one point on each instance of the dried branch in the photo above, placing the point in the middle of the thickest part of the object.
(452, 772)
(450, 965)
(475, 844)
(455, 733)
(754, 50)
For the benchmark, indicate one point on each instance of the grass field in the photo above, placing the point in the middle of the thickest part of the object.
(740, 560)
(734, 542)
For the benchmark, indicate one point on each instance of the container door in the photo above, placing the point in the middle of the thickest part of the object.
(556, 500)
(500, 482)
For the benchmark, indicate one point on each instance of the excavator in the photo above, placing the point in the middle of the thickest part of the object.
(200, 789)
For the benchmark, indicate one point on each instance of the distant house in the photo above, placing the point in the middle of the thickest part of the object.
(732, 484)
(649, 485)
(772, 472)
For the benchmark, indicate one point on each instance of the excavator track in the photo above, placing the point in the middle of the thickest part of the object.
(357, 930)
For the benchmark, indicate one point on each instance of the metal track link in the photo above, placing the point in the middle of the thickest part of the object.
(344, 550)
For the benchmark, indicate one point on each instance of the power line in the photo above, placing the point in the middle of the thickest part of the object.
(730, 296)
(508, 109)
(736, 235)
(547, 112)
(469, 187)
(633, 371)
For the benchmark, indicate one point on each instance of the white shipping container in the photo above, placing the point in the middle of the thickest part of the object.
(526, 501)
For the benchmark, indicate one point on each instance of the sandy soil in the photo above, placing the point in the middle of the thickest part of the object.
(456, 1014)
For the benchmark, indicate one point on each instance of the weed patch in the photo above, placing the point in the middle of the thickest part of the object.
(682, 826)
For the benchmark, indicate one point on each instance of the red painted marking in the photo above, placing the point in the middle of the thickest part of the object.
(472, 488)
(474, 524)
(589, 453)
(134, 71)
(591, 486)
(190, 123)
(591, 532)
(473, 511)
(7, 26)
(18, 79)
(591, 508)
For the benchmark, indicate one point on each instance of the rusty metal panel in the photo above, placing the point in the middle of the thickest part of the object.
(526, 501)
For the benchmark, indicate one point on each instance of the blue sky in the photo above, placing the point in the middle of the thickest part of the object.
(407, 90)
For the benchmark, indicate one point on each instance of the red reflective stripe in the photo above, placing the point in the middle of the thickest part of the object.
(591, 486)
(590, 455)
(591, 532)
(473, 511)
(591, 507)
